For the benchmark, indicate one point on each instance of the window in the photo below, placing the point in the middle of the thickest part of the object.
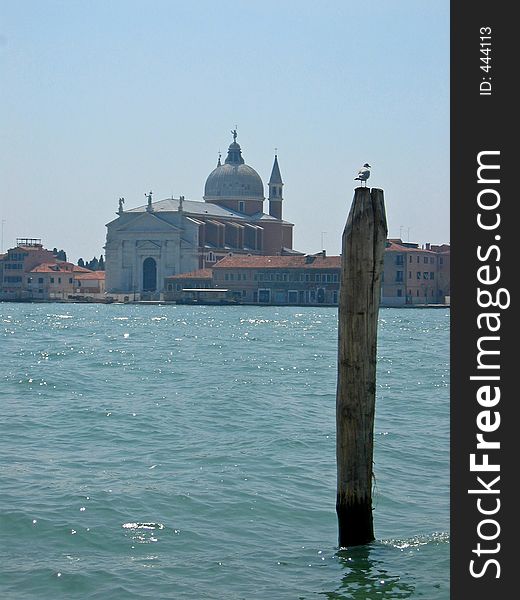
(425, 260)
(335, 278)
(292, 296)
(399, 293)
(432, 275)
(418, 259)
(335, 297)
(59, 279)
(409, 274)
(399, 259)
(226, 276)
(418, 274)
(441, 260)
(329, 278)
(40, 279)
(29, 279)
(264, 295)
(241, 206)
(399, 275)
(425, 275)
(410, 258)
(70, 279)
(52, 279)
(431, 260)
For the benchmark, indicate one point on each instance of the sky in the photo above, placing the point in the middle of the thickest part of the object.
(114, 98)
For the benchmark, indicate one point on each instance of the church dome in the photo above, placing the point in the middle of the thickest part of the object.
(233, 179)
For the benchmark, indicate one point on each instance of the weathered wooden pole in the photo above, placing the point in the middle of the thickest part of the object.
(364, 240)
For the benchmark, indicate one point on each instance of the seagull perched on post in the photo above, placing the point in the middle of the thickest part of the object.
(363, 173)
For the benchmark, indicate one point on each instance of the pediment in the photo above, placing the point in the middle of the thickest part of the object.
(146, 223)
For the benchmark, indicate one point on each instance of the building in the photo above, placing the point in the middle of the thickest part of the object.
(29, 272)
(296, 280)
(17, 263)
(412, 276)
(415, 275)
(147, 244)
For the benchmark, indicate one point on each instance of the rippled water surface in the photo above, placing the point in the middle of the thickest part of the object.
(189, 452)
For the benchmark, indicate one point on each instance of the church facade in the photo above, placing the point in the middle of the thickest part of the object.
(144, 245)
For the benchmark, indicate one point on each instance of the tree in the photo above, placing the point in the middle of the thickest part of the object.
(93, 264)
(81, 262)
(101, 265)
(59, 254)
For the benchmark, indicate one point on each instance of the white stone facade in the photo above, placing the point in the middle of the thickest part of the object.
(143, 248)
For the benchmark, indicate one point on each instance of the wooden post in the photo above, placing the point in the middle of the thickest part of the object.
(364, 240)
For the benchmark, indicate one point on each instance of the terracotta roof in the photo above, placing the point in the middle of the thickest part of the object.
(53, 267)
(98, 275)
(31, 248)
(279, 262)
(393, 247)
(78, 269)
(199, 274)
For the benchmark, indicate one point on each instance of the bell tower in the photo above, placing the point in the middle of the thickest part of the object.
(275, 191)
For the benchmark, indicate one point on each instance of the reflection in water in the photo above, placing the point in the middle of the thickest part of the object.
(365, 577)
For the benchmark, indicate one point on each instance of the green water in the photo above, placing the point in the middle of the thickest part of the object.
(189, 452)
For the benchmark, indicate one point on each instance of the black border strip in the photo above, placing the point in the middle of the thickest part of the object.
(483, 123)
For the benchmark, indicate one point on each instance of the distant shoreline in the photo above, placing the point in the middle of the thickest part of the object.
(170, 303)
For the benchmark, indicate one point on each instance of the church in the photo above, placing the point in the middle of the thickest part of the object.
(144, 245)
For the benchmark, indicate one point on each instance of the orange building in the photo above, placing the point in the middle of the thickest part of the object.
(415, 275)
(297, 280)
(29, 272)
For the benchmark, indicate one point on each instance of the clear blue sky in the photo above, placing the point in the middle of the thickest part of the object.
(103, 99)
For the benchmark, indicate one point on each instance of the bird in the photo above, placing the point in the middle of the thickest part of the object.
(363, 173)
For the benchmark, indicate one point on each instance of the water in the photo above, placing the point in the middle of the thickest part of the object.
(189, 452)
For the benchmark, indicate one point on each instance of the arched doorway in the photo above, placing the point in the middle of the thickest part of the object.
(149, 275)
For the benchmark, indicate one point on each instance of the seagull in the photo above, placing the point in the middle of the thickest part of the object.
(363, 173)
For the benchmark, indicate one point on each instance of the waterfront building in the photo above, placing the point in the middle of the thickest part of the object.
(15, 265)
(412, 276)
(29, 272)
(297, 280)
(415, 275)
(147, 244)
